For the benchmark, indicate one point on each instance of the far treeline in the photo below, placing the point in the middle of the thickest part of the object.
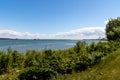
(52, 64)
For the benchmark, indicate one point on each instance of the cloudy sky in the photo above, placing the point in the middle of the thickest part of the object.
(56, 19)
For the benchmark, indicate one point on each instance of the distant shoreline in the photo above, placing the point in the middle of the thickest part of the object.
(6, 39)
(47, 39)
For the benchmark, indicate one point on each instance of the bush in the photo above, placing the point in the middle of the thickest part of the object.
(3, 62)
(80, 47)
(36, 73)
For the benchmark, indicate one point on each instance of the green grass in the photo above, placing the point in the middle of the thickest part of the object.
(107, 69)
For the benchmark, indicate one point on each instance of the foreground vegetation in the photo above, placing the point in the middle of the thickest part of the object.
(107, 69)
(53, 64)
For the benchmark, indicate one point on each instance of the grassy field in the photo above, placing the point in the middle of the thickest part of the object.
(107, 69)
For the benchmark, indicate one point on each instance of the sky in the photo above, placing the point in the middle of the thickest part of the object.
(56, 19)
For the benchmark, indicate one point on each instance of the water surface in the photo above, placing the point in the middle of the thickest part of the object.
(23, 45)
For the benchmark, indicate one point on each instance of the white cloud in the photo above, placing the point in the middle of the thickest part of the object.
(106, 22)
(82, 33)
(20, 35)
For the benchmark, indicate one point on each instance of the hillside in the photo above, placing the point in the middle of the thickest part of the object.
(107, 69)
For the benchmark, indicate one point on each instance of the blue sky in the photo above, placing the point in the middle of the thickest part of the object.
(56, 18)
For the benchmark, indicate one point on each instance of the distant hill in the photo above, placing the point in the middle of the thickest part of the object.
(8, 39)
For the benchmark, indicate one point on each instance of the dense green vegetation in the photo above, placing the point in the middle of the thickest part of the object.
(51, 64)
(113, 29)
(107, 69)
(62, 64)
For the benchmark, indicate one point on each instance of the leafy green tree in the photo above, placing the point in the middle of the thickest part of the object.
(9, 59)
(113, 29)
(80, 47)
(17, 59)
(31, 58)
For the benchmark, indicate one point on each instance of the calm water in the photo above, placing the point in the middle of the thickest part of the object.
(23, 45)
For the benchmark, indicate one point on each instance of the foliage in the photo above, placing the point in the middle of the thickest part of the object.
(36, 73)
(113, 29)
(3, 62)
(107, 69)
(49, 63)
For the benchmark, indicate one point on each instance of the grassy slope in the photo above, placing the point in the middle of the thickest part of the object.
(107, 69)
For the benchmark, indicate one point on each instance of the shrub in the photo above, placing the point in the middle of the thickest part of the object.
(36, 73)
(3, 62)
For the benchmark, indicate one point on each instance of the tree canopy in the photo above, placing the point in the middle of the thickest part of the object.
(113, 29)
